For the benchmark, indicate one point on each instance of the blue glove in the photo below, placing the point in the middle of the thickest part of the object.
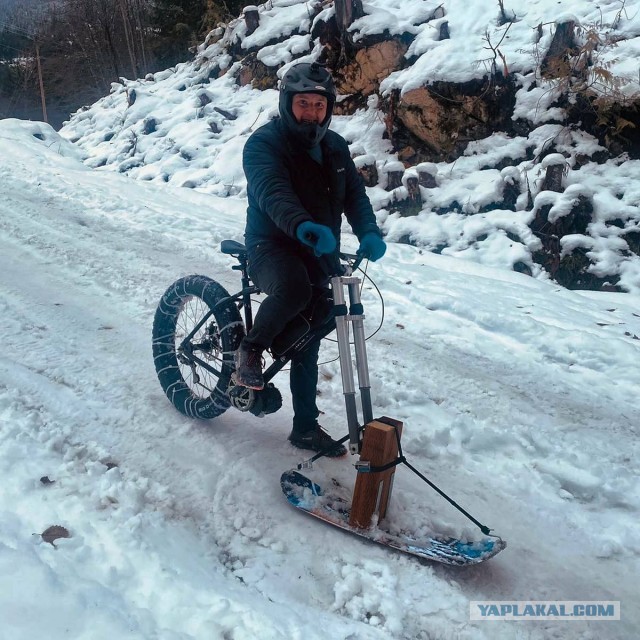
(372, 246)
(317, 236)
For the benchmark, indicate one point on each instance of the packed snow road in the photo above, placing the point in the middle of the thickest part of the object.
(519, 399)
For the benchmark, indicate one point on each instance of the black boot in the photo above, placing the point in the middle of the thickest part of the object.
(317, 439)
(248, 360)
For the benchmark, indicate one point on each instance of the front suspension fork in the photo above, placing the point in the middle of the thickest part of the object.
(353, 315)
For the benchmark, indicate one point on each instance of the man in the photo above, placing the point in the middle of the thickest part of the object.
(300, 180)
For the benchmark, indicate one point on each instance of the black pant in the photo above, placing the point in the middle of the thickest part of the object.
(287, 275)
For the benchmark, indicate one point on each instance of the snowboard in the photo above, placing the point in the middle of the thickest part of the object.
(309, 497)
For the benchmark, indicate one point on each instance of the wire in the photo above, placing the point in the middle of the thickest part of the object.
(382, 308)
(375, 286)
(367, 277)
(16, 30)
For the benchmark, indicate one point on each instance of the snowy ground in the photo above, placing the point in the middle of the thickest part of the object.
(519, 398)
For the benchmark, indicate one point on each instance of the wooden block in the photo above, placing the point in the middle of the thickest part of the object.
(373, 490)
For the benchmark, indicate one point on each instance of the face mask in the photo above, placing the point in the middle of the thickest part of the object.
(305, 133)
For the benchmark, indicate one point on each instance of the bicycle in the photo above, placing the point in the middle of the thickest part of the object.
(198, 326)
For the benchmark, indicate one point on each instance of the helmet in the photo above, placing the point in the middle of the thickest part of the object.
(306, 77)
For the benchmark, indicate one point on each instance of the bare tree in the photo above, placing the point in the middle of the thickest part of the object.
(85, 45)
(128, 34)
(346, 12)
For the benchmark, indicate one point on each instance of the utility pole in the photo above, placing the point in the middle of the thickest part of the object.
(41, 83)
(25, 34)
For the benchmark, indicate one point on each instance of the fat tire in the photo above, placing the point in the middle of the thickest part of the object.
(229, 331)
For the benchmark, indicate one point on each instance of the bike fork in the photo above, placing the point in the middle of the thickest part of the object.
(354, 315)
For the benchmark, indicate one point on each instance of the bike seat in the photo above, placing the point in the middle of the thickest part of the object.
(233, 248)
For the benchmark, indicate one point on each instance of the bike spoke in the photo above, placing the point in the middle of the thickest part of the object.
(204, 344)
(196, 329)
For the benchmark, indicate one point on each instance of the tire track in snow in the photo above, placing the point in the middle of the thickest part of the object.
(87, 363)
(70, 279)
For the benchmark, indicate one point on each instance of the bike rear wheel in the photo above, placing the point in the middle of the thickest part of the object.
(195, 335)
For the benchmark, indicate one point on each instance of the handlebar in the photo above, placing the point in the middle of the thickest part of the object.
(239, 251)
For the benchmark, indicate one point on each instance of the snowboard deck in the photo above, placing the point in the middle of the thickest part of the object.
(309, 497)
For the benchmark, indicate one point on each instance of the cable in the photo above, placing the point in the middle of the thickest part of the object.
(364, 273)
(382, 306)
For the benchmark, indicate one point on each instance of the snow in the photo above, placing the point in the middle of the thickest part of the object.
(519, 398)
(187, 126)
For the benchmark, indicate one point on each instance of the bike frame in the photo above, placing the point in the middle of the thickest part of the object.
(344, 316)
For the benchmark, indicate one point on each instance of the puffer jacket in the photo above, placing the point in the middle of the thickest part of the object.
(286, 187)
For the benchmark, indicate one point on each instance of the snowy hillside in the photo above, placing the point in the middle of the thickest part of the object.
(519, 398)
(186, 126)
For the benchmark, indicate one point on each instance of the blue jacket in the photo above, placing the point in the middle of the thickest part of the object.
(286, 186)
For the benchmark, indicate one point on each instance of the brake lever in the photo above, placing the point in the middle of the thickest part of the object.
(359, 258)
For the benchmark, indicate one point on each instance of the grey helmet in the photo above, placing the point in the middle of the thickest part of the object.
(306, 77)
